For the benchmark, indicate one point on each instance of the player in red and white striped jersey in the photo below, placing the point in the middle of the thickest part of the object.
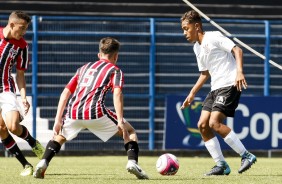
(86, 108)
(14, 51)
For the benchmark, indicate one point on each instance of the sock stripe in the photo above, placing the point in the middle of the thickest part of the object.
(24, 134)
(10, 145)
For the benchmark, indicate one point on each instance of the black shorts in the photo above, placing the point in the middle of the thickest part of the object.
(224, 100)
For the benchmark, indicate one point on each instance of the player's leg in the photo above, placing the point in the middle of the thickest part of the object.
(10, 144)
(216, 123)
(53, 147)
(212, 145)
(12, 121)
(211, 141)
(132, 150)
(106, 127)
(223, 107)
(12, 116)
(70, 130)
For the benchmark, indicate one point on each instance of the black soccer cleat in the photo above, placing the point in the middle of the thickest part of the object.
(248, 159)
(220, 169)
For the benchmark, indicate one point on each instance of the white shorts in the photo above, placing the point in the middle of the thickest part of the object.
(104, 127)
(8, 102)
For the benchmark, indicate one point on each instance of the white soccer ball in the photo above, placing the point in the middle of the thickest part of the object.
(167, 164)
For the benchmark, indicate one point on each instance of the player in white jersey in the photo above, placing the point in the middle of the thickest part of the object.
(86, 109)
(221, 60)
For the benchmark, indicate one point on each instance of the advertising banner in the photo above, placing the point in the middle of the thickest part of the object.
(257, 122)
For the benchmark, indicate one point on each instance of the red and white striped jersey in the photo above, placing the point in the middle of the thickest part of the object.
(12, 51)
(89, 86)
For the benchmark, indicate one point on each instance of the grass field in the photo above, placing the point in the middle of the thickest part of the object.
(111, 170)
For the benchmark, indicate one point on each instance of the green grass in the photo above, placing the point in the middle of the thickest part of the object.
(111, 170)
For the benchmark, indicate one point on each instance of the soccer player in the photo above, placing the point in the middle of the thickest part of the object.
(14, 51)
(219, 58)
(86, 108)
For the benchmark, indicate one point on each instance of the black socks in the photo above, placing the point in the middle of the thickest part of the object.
(13, 148)
(52, 148)
(132, 150)
(26, 136)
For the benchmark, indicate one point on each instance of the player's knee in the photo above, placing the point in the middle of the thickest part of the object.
(3, 128)
(215, 125)
(13, 129)
(202, 125)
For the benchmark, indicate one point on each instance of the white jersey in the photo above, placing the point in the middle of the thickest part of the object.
(214, 54)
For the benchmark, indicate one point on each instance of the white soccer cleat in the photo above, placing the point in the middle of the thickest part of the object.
(40, 169)
(28, 170)
(135, 169)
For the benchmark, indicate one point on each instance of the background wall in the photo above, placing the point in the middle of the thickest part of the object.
(66, 43)
(242, 9)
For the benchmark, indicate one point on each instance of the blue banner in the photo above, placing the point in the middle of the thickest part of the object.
(257, 122)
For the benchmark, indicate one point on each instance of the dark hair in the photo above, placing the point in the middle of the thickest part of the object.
(109, 45)
(191, 17)
(20, 15)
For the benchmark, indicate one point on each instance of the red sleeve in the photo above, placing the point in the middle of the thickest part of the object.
(73, 83)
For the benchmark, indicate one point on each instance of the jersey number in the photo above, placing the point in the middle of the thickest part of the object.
(88, 77)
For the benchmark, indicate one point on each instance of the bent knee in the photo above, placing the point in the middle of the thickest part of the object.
(3, 127)
(202, 125)
(215, 125)
(14, 130)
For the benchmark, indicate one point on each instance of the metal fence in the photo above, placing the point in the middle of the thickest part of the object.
(155, 57)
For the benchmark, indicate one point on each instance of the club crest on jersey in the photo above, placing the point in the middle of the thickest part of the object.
(220, 100)
(13, 53)
(206, 49)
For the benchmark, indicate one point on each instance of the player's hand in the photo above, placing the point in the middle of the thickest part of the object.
(240, 82)
(187, 101)
(57, 127)
(26, 105)
(122, 128)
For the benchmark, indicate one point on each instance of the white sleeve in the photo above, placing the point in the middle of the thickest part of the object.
(223, 42)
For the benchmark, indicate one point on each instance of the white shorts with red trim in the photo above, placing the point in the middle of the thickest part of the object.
(8, 102)
(104, 127)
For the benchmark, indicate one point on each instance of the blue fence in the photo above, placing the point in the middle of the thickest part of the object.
(155, 57)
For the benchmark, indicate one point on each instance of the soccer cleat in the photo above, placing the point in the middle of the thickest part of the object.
(38, 150)
(248, 159)
(28, 170)
(222, 168)
(40, 169)
(133, 168)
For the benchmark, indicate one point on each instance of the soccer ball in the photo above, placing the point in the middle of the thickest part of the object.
(167, 164)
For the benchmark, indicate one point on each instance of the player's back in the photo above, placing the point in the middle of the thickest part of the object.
(93, 81)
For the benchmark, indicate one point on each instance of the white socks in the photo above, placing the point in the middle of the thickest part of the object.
(214, 149)
(231, 139)
(234, 142)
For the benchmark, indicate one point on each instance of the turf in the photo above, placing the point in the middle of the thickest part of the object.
(111, 170)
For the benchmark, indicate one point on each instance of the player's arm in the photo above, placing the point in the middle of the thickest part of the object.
(20, 79)
(118, 104)
(200, 82)
(240, 78)
(60, 110)
(67, 92)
